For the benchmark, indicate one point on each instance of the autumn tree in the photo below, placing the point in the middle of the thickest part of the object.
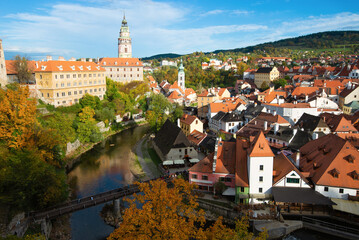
(17, 115)
(22, 68)
(156, 113)
(162, 212)
(87, 130)
(90, 101)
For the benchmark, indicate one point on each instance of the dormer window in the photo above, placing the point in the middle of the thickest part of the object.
(126, 63)
(98, 67)
(88, 67)
(73, 68)
(60, 67)
(104, 63)
(137, 63)
(43, 67)
(354, 175)
(334, 172)
(81, 68)
(115, 63)
(350, 158)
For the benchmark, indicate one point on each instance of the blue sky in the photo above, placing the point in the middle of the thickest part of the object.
(90, 28)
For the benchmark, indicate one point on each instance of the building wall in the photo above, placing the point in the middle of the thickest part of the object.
(196, 125)
(3, 76)
(66, 88)
(179, 153)
(245, 193)
(292, 115)
(333, 192)
(204, 101)
(322, 102)
(283, 182)
(124, 74)
(212, 179)
(254, 173)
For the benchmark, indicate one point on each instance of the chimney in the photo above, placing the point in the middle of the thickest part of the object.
(274, 112)
(265, 125)
(48, 58)
(178, 123)
(297, 160)
(276, 128)
(83, 59)
(90, 60)
(61, 58)
(306, 98)
(315, 136)
(255, 122)
(215, 154)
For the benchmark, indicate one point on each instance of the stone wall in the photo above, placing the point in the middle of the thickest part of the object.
(72, 146)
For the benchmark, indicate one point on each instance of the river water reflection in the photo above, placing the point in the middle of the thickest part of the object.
(103, 168)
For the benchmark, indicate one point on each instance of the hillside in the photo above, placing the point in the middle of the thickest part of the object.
(336, 40)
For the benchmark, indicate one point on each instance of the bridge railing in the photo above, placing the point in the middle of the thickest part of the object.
(329, 225)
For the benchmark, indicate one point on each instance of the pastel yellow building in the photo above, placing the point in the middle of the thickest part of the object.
(267, 75)
(63, 83)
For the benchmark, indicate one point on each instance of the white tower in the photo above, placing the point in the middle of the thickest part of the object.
(181, 77)
(3, 76)
(124, 41)
(260, 167)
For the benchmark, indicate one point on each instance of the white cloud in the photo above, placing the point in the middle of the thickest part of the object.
(219, 11)
(212, 12)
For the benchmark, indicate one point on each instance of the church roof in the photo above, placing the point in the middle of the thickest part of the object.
(260, 147)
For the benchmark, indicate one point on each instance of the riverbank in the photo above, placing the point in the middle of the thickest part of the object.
(73, 158)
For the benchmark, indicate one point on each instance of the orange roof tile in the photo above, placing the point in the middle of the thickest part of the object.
(175, 86)
(226, 157)
(10, 66)
(331, 161)
(203, 166)
(241, 176)
(174, 95)
(189, 91)
(196, 137)
(282, 166)
(304, 91)
(68, 66)
(188, 119)
(260, 147)
(227, 105)
(120, 62)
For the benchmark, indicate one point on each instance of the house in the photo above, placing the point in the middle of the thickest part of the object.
(332, 166)
(228, 122)
(263, 122)
(189, 123)
(349, 94)
(172, 145)
(338, 123)
(225, 105)
(265, 75)
(351, 108)
(211, 95)
(313, 124)
(286, 136)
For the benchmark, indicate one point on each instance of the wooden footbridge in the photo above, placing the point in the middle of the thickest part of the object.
(86, 202)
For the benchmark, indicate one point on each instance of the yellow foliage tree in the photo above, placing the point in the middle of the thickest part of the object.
(170, 213)
(17, 116)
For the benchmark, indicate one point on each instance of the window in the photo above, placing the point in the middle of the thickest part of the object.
(75, 92)
(68, 84)
(61, 76)
(69, 93)
(194, 176)
(67, 75)
(341, 190)
(74, 75)
(90, 75)
(79, 75)
(40, 76)
(48, 95)
(62, 84)
(55, 76)
(80, 91)
(292, 180)
(260, 190)
(326, 189)
(242, 189)
(180, 150)
(57, 94)
(63, 94)
(261, 178)
(261, 167)
(204, 177)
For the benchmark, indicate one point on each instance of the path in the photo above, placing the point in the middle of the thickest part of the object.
(148, 166)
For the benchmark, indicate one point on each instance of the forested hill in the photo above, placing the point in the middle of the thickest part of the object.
(165, 56)
(322, 40)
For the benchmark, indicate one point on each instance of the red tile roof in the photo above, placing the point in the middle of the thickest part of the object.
(282, 166)
(120, 62)
(298, 91)
(226, 157)
(331, 161)
(188, 119)
(68, 66)
(196, 137)
(203, 166)
(10, 66)
(260, 147)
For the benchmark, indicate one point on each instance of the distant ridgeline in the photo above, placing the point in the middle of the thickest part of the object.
(322, 40)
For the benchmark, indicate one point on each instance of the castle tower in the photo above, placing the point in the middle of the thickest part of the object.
(181, 77)
(3, 76)
(124, 41)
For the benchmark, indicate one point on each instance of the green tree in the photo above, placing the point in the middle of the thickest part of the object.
(279, 83)
(264, 86)
(23, 71)
(90, 101)
(86, 128)
(61, 124)
(107, 115)
(156, 113)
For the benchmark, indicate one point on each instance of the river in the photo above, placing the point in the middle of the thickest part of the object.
(102, 168)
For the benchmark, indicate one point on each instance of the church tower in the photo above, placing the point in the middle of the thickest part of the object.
(124, 41)
(3, 76)
(181, 77)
